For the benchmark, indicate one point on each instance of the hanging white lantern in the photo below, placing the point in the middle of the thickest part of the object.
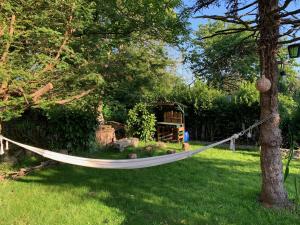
(263, 84)
(249, 134)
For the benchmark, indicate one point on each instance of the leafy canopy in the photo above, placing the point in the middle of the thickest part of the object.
(72, 43)
(223, 61)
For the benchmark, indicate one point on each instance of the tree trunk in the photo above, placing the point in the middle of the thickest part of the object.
(273, 193)
(100, 117)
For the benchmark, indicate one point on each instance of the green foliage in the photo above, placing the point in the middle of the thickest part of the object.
(290, 84)
(137, 71)
(115, 111)
(294, 124)
(71, 128)
(225, 60)
(290, 156)
(213, 114)
(247, 94)
(157, 18)
(297, 194)
(84, 45)
(116, 48)
(203, 96)
(141, 123)
(287, 107)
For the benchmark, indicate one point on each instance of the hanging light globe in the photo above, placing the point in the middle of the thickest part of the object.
(263, 84)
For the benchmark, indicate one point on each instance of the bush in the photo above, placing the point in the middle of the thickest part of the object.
(60, 127)
(141, 123)
(114, 111)
(213, 114)
(72, 128)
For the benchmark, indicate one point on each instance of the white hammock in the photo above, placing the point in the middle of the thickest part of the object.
(113, 164)
(125, 163)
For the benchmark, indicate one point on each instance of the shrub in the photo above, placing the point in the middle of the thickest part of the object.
(72, 128)
(114, 111)
(212, 114)
(141, 123)
(60, 127)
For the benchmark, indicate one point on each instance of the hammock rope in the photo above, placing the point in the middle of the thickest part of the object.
(124, 163)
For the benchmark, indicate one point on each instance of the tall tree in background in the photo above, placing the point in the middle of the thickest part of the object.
(223, 61)
(270, 22)
(137, 72)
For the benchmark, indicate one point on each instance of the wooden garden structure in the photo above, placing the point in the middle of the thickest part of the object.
(170, 121)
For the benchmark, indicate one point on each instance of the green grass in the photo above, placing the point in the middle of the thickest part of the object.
(214, 187)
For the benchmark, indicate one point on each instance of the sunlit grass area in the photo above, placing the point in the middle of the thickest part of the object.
(214, 187)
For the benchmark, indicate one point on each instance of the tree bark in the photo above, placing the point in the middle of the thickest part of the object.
(100, 117)
(76, 97)
(39, 93)
(8, 43)
(273, 193)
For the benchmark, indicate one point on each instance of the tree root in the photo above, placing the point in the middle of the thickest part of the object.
(24, 171)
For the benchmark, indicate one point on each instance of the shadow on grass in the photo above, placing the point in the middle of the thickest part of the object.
(194, 191)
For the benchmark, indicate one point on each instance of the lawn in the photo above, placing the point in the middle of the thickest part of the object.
(214, 187)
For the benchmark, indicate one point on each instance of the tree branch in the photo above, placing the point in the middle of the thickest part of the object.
(1, 31)
(236, 29)
(104, 34)
(203, 4)
(67, 35)
(4, 90)
(8, 43)
(289, 41)
(76, 97)
(227, 19)
(283, 7)
(292, 31)
(4, 87)
(242, 8)
(36, 95)
(288, 32)
(227, 32)
(290, 22)
(290, 13)
(285, 4)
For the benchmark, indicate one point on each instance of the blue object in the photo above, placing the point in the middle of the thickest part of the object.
(186, 136)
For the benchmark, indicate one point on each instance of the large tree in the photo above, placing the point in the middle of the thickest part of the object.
(223, 61)
(138, 71)
(269, 22)
(70, 43)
